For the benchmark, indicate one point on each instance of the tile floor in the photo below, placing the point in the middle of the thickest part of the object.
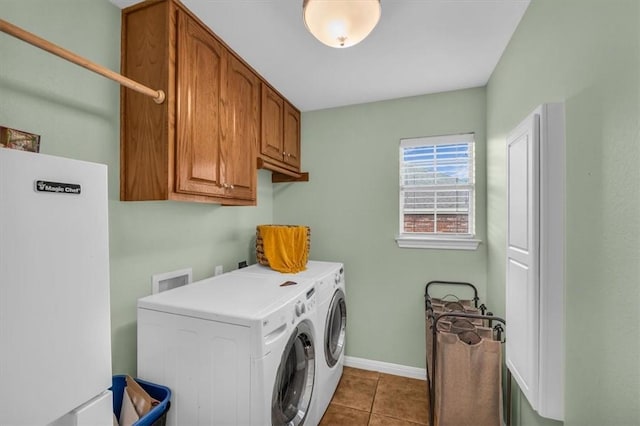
(369, 398)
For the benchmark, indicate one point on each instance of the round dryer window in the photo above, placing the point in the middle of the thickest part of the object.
(295, 379)
(335, 329)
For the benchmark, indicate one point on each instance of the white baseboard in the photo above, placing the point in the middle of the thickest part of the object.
(386, 367)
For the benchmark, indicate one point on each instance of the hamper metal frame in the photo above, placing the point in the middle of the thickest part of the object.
(427, 298)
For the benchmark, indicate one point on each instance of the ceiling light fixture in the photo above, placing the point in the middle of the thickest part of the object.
(341, 23)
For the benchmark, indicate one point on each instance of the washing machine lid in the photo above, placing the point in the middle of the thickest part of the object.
(315, 269)
(234, 298)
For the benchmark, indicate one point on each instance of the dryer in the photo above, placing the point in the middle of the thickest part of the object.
(234, 349)
(332, 313)
(330, 325)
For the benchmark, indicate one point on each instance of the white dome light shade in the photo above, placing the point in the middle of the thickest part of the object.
(341, 23)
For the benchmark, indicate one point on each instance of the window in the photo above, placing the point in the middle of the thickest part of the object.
(437, 192)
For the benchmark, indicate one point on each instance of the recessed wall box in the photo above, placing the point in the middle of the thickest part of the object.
(169, 280)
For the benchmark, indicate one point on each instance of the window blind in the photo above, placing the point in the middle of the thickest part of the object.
(437, 184)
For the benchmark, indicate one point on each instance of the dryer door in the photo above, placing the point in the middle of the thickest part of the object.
(295, 379)
(335, 328)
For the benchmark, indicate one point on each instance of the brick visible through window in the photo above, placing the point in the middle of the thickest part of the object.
(448, 223)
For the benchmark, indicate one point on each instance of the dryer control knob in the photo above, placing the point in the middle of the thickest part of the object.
(300, 309)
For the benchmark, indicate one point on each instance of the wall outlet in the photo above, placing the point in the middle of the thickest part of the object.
(218, 270)
(242, 264)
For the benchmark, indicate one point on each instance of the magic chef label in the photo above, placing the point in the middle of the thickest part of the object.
(57, 187)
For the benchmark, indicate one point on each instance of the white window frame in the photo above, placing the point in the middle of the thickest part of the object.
(438, 240)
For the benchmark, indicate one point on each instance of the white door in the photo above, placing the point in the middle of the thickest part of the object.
(522, 289)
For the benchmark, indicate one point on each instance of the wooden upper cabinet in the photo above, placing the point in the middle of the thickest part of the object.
(272, 137)
(201, 63)
(280, 135)
(291, 136)
(241, 109)
(200, 144)
(146, 172)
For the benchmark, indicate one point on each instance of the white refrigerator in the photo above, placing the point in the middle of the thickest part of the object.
(55, 339)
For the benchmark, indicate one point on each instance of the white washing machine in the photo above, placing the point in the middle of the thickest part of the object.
(234, 349)
(330, 325)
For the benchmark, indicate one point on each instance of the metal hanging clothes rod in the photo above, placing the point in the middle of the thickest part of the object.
(17, 32)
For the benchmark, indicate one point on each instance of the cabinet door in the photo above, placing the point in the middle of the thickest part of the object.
(535, 280)
(240, 135)
(522, 280)
(272, 139)
(291, 136)
(201, 63)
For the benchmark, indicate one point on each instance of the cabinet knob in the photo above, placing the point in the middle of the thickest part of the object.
(231, 186)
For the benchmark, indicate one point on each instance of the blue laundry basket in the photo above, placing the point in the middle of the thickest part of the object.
(157, 416)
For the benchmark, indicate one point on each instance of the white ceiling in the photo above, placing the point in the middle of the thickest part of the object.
(418, 47)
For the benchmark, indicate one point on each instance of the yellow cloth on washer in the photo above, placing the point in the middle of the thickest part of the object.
(285, 247)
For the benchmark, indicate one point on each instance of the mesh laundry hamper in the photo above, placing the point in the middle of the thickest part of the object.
(464, 362)
(468, 382)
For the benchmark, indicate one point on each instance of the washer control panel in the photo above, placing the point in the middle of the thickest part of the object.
(305, 304)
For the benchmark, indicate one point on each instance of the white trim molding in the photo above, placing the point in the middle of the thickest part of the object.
(386, 367)
(422, 241)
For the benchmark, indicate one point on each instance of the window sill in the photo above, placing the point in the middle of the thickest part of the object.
(431, 242)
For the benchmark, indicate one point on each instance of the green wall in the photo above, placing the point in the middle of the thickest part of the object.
(585, 53)
(351, 204)
(77, 114)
